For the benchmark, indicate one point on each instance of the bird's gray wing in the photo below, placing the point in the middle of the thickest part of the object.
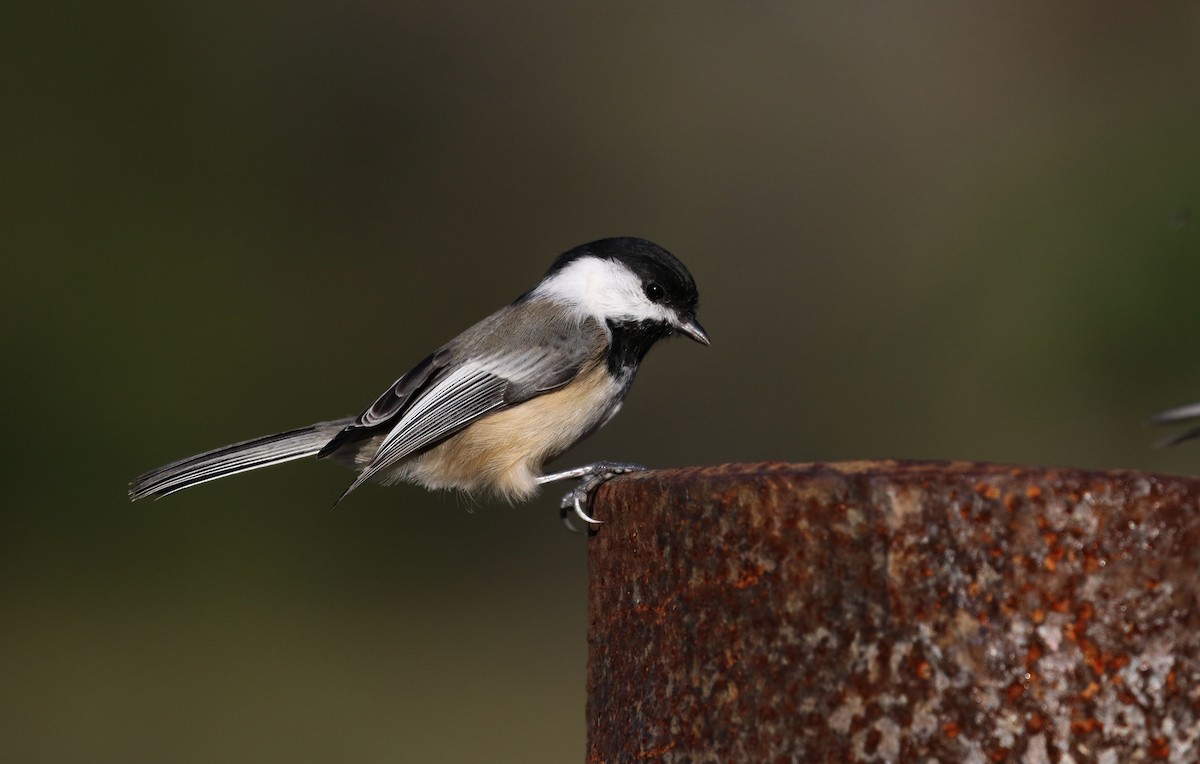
(398, 395)
(543, 355)
(392, 401)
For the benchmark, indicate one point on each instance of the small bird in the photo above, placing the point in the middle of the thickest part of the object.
(1176, 415)
(484, 412)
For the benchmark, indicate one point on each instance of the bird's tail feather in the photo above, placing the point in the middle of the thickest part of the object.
(240, 457)
(1176, 415)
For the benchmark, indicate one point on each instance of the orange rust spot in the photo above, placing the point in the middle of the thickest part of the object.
(1084, 725)
(1171, 681)
(1015, 691)
(1153, 585)
(1072, 632)
(659, 611)
(987, 491)
(1050, 563)
(1010, 502)
(1159, 748)
(1062, 605)
(1038, 616)
(1032, 654)
(1091, 654)
(974, 588)
(654, 753)
(924, 670)
(750, 579)
(1033, 492)
(1118, 662)
(1077, 629)
(951, 729)
(1090, 690)
(1036, 722)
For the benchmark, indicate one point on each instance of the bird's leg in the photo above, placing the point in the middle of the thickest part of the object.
(590, 477)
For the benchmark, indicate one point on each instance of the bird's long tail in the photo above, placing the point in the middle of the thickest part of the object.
(240, 457)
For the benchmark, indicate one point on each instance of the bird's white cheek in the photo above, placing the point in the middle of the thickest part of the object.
(601, 289)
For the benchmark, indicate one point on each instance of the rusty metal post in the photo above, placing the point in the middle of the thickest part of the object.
(890, 611)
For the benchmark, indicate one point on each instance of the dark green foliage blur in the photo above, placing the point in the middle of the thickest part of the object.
(931, 230)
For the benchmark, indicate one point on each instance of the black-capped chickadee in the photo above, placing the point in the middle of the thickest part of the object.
(1188, 412)
(490, 407)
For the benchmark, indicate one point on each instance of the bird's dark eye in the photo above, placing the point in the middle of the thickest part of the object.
(654, 292)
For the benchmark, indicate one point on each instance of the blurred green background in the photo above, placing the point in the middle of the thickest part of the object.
(921, 230)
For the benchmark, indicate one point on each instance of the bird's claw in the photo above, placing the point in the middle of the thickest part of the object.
(576, 501)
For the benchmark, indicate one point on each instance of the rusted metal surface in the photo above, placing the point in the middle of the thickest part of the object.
(891, 611)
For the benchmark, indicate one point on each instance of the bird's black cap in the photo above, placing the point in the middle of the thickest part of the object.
(649, 261)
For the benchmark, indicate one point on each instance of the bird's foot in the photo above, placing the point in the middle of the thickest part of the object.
(576, 502)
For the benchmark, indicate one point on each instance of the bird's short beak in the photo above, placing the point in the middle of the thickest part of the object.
(692, 328)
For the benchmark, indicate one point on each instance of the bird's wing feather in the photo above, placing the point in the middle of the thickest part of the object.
(397, 396)
(392, 401)
(458, 392)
